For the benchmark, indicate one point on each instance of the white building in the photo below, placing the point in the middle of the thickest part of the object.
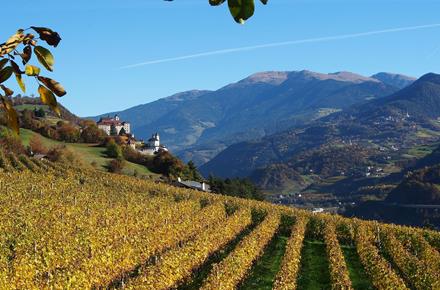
(153, 146)
(106, 125)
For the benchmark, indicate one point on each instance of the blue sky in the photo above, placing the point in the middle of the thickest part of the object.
(102, 36)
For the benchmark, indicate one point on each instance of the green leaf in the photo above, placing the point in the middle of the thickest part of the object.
(241, 10)
(216, 2)
(51, 37)
(53, 85)
(48, 98)
(44, 57)
(31, 70)
(11, 115)
(5, 74)
(3, 62)
(20, 82)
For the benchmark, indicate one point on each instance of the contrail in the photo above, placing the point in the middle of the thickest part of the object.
(284, 43)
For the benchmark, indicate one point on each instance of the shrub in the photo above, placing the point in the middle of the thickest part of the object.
(36, 145)
(68, 133)
(92, 134)
(113, 149)
(116, 165)
(11, 142)
(64, 155)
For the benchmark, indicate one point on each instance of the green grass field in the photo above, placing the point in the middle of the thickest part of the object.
(263, 273)
(31, 107)
(89, 153)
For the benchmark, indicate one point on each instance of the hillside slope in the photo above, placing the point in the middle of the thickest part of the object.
(87, 229)
(199, 124)
(373, 132)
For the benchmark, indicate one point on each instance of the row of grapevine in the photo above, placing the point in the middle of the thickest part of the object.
(4, 162)
(15, 162)
(178, 264)
(415, 243)
(338, 269)
(63, 228)
(377, 267)
(286, 277)
(73, 241)
(159, 235)
(234, 268)
(10, 162)
(419, 275)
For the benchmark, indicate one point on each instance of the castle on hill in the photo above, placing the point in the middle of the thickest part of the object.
(113, 125)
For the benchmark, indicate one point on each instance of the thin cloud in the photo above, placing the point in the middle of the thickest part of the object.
(277, 44)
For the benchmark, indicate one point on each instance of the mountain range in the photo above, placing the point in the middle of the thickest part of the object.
(197, 125)
(374, 133)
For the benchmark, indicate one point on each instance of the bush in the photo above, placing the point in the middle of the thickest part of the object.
(92, 134)
(11, 142)
(36, 145)
(113, 149)
(116, 165)
(68, 133)
(64, 155)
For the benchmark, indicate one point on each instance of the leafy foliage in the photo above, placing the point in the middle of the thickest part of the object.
(241, 10)
(10, 50)
(239, 187)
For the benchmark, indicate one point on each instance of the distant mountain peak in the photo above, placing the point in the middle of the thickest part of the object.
(187, 95)
(268, 77)
(342, 76)
(396, 80)
(430, 77)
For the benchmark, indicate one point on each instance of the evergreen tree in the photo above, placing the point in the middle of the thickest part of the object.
(113, 130)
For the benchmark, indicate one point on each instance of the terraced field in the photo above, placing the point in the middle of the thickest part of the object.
(68, 228)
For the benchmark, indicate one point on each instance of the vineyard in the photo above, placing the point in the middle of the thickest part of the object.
(67, 228)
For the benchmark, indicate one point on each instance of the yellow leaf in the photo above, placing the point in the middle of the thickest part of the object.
(20, 82)
(48, 98)
(12, 43)
(32, 70)
(11, 115)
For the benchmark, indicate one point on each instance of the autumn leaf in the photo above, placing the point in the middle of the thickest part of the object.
(20, 82)
(11, 115)
(3, 62)
(27, 54)
(51, 37)
(12, 43)
(32, 70)
(5, 73)
(15, 67)
(53, 85)
(8, 91)
(45, 57)
(48, 98)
